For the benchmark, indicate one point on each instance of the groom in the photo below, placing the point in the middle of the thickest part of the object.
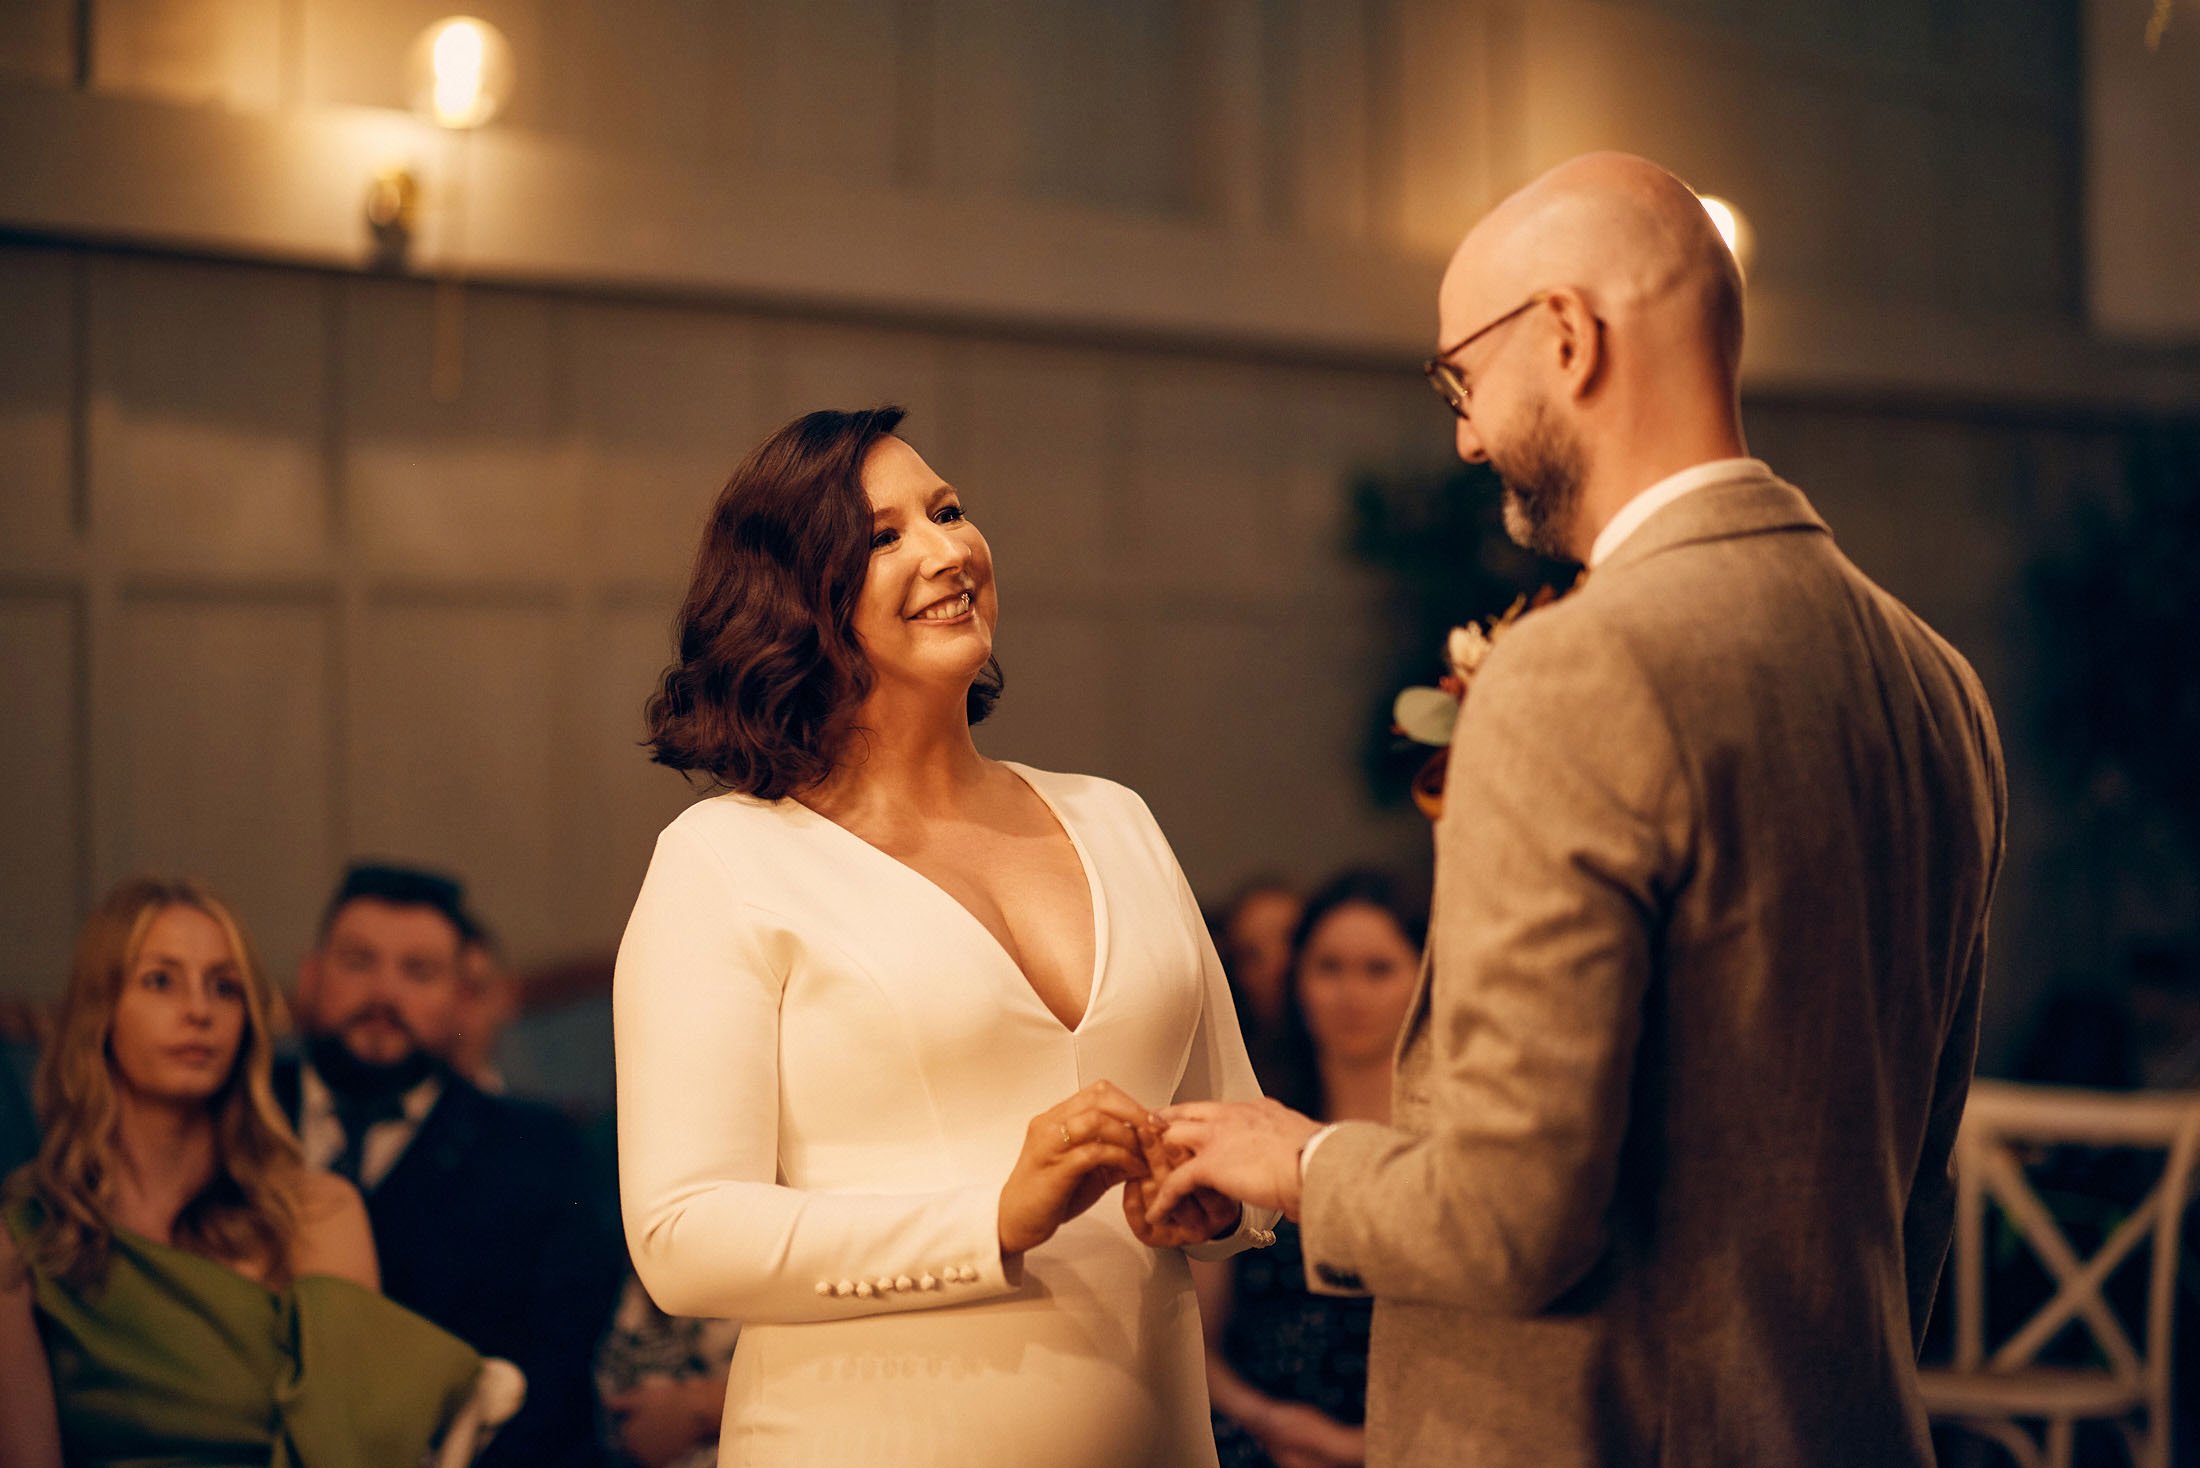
(1668, 1178)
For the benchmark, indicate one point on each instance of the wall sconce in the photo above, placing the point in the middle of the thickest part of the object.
(458, 75)
(459, 72)
(1733, 227)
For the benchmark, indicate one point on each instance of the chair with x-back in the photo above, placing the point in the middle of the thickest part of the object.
(1993, 1391)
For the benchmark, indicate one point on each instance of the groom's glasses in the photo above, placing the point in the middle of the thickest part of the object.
(1450, 383)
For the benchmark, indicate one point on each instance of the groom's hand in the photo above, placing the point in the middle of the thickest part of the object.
(1247, 1150)
(1199, 1217)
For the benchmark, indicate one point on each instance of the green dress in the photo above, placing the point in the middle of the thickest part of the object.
(177, 1360)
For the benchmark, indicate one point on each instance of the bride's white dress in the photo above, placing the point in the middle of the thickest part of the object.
(825, 1069)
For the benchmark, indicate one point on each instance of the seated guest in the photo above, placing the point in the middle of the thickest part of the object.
(1286, 1368)
(488, 1001)
(481, 1208)
(175, 1284)
(663, 1379)
(20, 1026)
(1253, 937)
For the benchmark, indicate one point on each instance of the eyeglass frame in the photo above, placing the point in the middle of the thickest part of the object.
(1439, 367)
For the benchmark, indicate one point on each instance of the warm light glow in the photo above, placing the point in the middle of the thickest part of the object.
(461, 71)
(1733, 227)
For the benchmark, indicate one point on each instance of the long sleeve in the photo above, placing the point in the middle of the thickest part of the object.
(711, 1229)
(1565, 809)
(1217, 1068)
(1928, 1217)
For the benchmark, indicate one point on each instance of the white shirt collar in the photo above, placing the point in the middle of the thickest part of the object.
(1647, 503)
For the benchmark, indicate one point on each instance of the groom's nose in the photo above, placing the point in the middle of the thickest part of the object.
(1467, 441)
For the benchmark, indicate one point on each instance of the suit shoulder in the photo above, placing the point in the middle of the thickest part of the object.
(1574, 634)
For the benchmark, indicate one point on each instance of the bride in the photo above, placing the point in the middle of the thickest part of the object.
(891, 1016)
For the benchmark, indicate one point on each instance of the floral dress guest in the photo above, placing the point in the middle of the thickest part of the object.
(1286, 1368)
(176, 1286)
(663, 1382)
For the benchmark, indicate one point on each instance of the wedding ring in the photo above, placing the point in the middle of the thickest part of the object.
(1065, 1135)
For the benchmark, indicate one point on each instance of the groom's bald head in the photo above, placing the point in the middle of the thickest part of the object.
(1637, 331)
(1623, 231)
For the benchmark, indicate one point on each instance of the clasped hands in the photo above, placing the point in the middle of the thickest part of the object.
(1185, 1171)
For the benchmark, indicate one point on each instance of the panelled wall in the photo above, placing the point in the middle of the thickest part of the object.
(264, 603)
(1151, 274)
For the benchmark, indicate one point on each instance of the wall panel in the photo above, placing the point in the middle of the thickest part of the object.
(1065, 100)
(1042, 468)
(458, 719)
(826, 86)
(37, 407)
(1206, 443)
(37, 41)
(226, 52)
(208, 405)
(619, 800)
(665, 403)
(41, 759)
(484, 485)
(220, 713)
(1246, 745)
(814, 365)
(1074, 695)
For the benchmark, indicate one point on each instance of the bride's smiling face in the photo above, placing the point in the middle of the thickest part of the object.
(928, 607)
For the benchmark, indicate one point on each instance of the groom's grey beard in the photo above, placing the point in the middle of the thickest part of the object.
(1542, 475)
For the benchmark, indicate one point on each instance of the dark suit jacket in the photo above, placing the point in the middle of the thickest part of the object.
(1669, 1175)
(488, 1226)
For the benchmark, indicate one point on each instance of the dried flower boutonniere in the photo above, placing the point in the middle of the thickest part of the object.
(1428, 715)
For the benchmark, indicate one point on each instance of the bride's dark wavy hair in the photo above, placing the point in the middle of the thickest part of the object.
(763, 692)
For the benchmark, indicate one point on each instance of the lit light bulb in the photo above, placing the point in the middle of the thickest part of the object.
(1733, 227)
(460, 71)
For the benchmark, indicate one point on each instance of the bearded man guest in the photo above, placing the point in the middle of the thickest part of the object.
(479, 1204)
(1667, 1177)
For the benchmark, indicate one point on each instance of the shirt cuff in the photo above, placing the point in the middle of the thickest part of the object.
(1306, 1153)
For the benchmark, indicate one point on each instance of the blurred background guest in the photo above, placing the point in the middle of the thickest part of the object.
(1287, 1369)
(663, 1379)
(22, 1026)
(175, 1284)
(481, 1205)
(1253, 934)
(488, 1002)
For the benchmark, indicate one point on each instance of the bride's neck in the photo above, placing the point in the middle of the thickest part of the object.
(913, 754)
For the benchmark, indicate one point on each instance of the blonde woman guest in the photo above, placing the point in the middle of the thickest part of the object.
(175, 1284)
(889, 1013)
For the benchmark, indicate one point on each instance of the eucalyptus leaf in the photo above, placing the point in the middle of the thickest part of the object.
(1425, 715)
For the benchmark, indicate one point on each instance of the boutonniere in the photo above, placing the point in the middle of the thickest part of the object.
(1428, 715)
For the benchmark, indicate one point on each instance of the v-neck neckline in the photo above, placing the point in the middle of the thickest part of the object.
(1095, 899)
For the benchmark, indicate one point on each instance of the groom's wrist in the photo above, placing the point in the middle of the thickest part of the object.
(1308, 1147)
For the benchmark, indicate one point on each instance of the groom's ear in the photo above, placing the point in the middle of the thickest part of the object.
(1578, 338)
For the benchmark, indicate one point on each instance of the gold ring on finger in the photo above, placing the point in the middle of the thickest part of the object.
(1065, 1135)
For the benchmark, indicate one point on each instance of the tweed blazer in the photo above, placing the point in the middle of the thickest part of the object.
(1668, 1179)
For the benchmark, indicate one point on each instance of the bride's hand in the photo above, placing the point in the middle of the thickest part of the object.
(1198, 1217)
(1072, 1154)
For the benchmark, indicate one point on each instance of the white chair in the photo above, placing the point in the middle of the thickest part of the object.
(1990, 1394)
(498, 1392)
